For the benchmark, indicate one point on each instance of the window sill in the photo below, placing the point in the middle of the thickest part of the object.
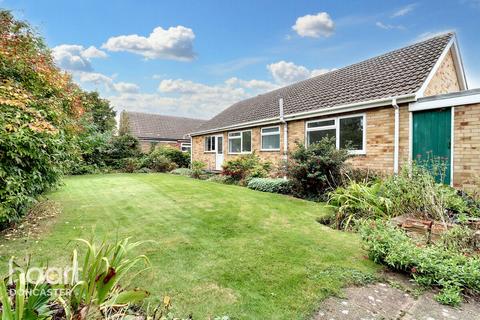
(269, 150)
(239, 153)
(357, 153)
(209, 151)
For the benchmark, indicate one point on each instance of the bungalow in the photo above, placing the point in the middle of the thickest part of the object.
(154, 129)
(406, 104)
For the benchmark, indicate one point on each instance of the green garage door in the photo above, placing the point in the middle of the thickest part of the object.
(432, 138)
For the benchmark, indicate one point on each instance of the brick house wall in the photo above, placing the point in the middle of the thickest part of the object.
(445, 79)
(466, 160)
(379, 134)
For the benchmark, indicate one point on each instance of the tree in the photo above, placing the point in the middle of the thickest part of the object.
(103, 115)
(40, 110)
(124, 125)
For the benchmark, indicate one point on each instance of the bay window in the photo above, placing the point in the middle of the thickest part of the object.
(240, 142)
(270, 138)
(346, 132)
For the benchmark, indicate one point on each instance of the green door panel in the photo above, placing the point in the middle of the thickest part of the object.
(432, 140)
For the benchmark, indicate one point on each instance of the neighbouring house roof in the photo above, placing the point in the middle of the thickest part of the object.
(159, 127)
(394, 74)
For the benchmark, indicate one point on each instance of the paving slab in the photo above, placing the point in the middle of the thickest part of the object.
(392, 299)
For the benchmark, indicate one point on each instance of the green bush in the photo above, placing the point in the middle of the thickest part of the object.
(158, 162)
(316, 169)
(130, 165)
(219, 179)
(460, 239)
(433, 265)
(181, 159)
(121, 147)
(245, 167)
(359, 201)
(412, 192)
(198, 168)
(182, 172)
(270, 185)
(39, 107)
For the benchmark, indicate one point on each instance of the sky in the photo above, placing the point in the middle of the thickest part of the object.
(195, 58)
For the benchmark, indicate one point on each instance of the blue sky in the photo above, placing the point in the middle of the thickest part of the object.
(194, 58)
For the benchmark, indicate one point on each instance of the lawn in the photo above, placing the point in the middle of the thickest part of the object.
(219, 250)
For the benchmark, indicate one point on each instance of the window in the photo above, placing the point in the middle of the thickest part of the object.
(210, 144)
(351, 133)
(347, 132)
(240, 142)
(317, 130)
(185, 147)
(271, 138)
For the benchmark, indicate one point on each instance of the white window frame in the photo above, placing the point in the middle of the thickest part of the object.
(241, 142)
(336, 127)
(205, 147)
(186, 145)
(262, 134)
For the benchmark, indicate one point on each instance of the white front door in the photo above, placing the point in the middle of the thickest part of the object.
(219, 152)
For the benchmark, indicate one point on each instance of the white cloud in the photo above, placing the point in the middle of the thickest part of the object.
(284, 72)
(92, 52)
(316, 26)
(404, 10)
(126, 87)
(75, 57)
(174, 43)
(389, 26)
(193, 99)
(252, 84)
(107, 83)
(287, 72)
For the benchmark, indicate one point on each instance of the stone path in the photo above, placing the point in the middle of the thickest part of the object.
(392, 300)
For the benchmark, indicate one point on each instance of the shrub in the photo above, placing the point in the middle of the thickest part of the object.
(436, 266)
(182, 172)
(316, 169)
(40, 107)
(414, 191)
(350, 174)
(121, 147)
(158, 162)
(459, 239)
(270, 185)
(181, 159)
(219, 179)
(359, 201)
(198, 168)
(130, 165)
(246, 167)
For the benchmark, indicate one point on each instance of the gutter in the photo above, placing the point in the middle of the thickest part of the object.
(285, 133)
(308, 114)
(396, 138)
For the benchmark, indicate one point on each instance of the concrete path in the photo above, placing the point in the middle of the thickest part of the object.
(396, 299)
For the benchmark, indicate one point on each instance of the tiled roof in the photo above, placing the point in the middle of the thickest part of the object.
(393, 74)
(156, 126)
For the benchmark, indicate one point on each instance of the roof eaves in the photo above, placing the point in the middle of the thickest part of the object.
(319, 112)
